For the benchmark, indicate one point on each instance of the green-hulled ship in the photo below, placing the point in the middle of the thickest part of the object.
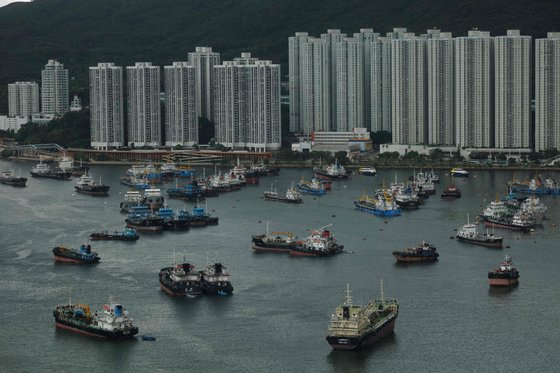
(353, 327)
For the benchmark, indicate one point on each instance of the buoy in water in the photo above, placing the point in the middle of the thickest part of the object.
(148, 338)
(333, 216)
(507, 246)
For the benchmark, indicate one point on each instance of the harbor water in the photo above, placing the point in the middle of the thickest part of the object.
(276, 320)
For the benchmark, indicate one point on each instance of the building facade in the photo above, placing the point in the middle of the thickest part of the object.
(512, 70)
(204, 59)
(143, 104)
(296, 79)
(181, 120)
(247, 104)
(409, 90)
(23, 99)
(547, 92)
(441, 88)
(350, 88)
(54, 89)
(106, 106)
(474, 90)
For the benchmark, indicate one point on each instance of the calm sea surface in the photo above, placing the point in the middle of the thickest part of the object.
(276, 321)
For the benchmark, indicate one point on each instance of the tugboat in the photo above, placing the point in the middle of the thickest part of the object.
(367, 171)
(469, 234)
(291, 196)
(153, 198)
(275, 242)
(8, 177)
(314, 187)
(127, 234)
(320, 243)
(215, 280)
(407, 199)
(506, 275)
(192, 191)
(521, 221)
(423, 252)
(451, 192)
(83, 255)
(131, 198)
(110, 322)
(459, 172)
(382, 204)
(142, 219)
(354, 327)
(86, 185)
(200, 218)
(44, 170)
(334, 171)
(180, 280)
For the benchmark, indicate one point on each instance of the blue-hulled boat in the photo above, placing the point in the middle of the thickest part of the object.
(314, 187)
(381, 205)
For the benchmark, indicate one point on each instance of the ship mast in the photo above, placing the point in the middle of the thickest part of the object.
(382, 292)
(348, 296)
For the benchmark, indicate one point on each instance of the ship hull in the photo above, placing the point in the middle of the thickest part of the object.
(326, 174)
(66, 325)
(64, 259)
(505, 226)
(486, 243)
(96, 192)
(411, 259)
(315, 253)
(353, 343)
(111, 237)
(269, 197)
(270, 249)
(503, 281)
(14, 182)
(53, 175)
(146, 228)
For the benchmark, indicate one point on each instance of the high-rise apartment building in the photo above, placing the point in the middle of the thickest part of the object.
(204, 59)
(144, 107)
(332, 38)
(181, 121)
(409, 90)
(547, 92)
(296, 79)
(512, 99)
(23, 99)
(380, 57)
(247, 103)
(474, 90)
(366, 37)
(441, 88)
(106, 105)
(350, 85)
(54, 89)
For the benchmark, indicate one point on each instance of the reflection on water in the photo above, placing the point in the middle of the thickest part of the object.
(357, 360)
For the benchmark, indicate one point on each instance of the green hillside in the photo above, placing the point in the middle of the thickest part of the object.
(81, 33)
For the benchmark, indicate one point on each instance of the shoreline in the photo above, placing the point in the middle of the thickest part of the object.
(300, 165)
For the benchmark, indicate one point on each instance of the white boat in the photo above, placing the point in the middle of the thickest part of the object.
(459, 172)
(367, 171)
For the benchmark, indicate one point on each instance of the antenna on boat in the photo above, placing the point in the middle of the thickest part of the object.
(382, 292)
(174, 260)
(348, 296)
(69, 296)
(468, 216)
(267, 228)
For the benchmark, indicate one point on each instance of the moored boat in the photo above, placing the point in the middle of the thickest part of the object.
(354, 327)
(423, 252)
(131, 198)
(87, 185)
(505, 275)
(216, 280)
(83, 255)
(520, 221)
(333, 171)
(142, 219)
(314, 187)
(181, 280)
(382, 204)
(110, 322)
(468, 233)
(8, 177)
(367, 171)
(275, 242)
(127, 234)
(291, 196)
(451, 192)
(44, 170)
(459, 172)
(320, 243)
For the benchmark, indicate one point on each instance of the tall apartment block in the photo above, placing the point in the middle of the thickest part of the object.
(143, 99)
(296, 79)
(332, 38)
(441, 88)
(54, 89)
(547, 92)
(247, 103)
(409, 90)
(106, 105)
(23, 99)
(512, 61)
(380, 57)
(181, 121)
(474, 90)
(204, 59)
(349, 85)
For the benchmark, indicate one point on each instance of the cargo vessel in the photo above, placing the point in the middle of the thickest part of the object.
(216, 280)
(506, 275)
(181, 280)
(354, 327)
(423, 252)
(127, 234)
(83, 255)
